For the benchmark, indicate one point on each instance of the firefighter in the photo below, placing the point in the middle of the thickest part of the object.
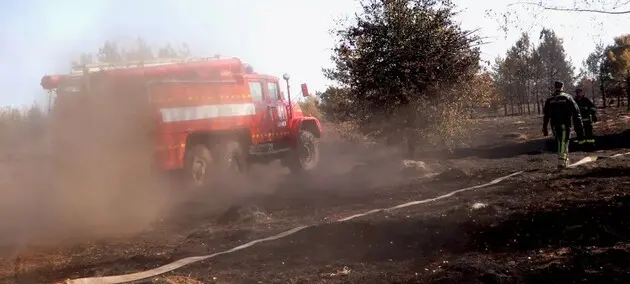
(588, 113)
(561, 111)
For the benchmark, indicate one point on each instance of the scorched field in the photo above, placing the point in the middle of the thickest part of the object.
(539, 225)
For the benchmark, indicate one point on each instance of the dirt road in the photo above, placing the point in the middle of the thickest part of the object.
(540, 226)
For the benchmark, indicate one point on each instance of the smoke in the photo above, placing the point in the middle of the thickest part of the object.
(97, 181)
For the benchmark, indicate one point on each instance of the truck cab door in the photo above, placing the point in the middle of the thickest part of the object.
(263, 121)
(278, 108)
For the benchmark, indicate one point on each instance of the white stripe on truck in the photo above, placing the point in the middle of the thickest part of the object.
(206, 111)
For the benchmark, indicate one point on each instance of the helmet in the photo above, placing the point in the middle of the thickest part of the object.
(558, 84)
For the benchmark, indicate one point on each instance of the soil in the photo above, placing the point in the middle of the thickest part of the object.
(543, 226)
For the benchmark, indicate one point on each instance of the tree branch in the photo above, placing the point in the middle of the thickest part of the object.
(577, 10)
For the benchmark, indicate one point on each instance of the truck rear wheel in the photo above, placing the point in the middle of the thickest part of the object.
(305, 156)
(198, 164)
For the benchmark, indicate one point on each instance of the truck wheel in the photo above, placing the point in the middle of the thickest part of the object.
(198, 163)
(230, 157)
(306, 156)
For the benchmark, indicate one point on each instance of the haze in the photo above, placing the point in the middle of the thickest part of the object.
(275, 36)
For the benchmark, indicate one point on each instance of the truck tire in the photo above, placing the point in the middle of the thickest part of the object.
(198, 164)
(306, 155)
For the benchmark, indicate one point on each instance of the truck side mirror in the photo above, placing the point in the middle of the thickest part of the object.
(304, 90)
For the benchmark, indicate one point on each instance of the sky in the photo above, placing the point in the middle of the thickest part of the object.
(274, 36)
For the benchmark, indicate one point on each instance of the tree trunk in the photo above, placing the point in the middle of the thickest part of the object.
(529, 108)
(618, 99)
(527, 96)
(602, 89)
(628, 93)
(522, 103)
(593, 91)
(538, 101)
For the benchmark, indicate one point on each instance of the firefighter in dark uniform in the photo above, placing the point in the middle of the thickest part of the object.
(588, 113)
(562, 112)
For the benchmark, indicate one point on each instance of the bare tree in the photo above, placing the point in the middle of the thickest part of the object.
(585, 6)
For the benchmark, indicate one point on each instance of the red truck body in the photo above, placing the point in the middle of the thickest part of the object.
(206, 97)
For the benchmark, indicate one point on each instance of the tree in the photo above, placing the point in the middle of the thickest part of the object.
(585, 6)
(527, 71)
(109, 52)
(538, 78)
(140, 51)
(553, 60)
(520, 54)
(502, 76)
(184, 50)
(538, 12)
(334, 103)
(167, 51)
(84, 58)
(514, 76)
(485, 91)
(592, 70)
(310, 106)
(400, 63)
(618, 59)
(505, 78)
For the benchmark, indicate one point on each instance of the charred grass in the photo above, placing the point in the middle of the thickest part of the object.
(541, 227)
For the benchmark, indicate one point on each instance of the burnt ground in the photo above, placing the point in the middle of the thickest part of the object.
(545, 225)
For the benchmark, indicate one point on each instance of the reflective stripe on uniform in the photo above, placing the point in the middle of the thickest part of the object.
(587, 141)
(562, 153)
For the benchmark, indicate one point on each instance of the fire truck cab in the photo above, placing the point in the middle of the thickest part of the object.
(210, 115)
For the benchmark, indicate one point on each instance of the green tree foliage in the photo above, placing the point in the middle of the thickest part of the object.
(140, 50)
(594, 61)
(526, 74)
(335, 104)
(618, 63)
(553, 59)
(167, 51)
(609, 67)
(109, 52)
(484, 90)
(592, 72)
(310, 106)
(514, 74)
(400, 67)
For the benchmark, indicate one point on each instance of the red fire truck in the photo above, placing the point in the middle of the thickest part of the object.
(208, 115)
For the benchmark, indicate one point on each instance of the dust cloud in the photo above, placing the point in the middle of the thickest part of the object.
(87, 174)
